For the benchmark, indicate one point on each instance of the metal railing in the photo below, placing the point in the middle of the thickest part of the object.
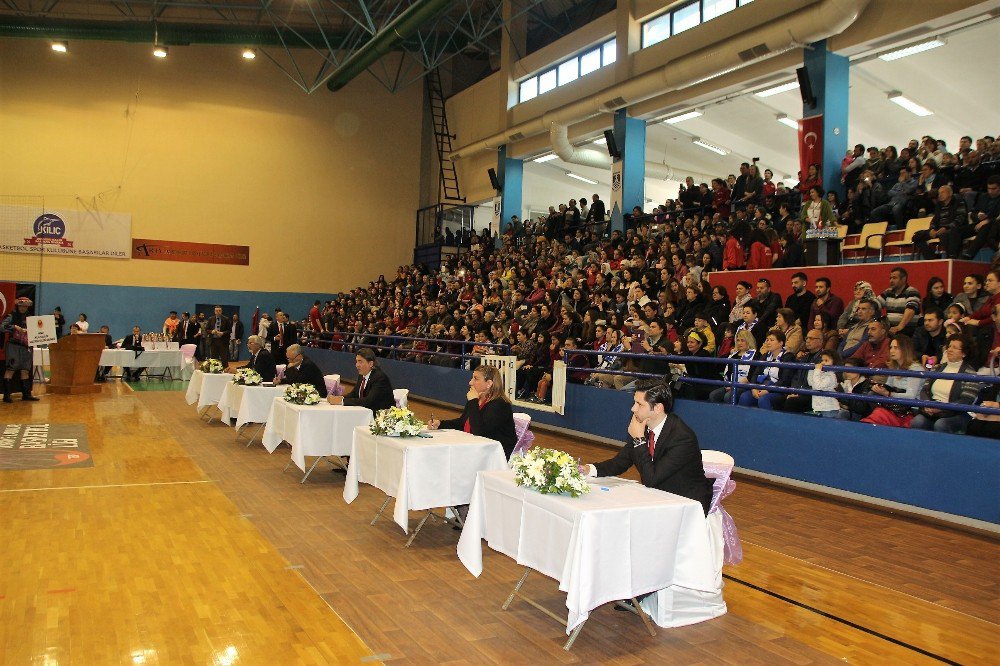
(353, 341)
(733, 383)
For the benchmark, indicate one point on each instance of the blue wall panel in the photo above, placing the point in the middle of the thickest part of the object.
(894, 464)
(123, 307)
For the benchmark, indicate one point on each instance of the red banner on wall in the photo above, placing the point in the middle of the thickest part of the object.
(810, 143)
(202, 253)
(8, 292)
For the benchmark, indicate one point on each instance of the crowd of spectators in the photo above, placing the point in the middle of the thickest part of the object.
(560, 283)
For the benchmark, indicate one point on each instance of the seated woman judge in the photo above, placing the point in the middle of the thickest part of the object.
(372, 389)
(487, 413)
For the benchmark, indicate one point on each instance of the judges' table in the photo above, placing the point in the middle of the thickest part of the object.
(322, 430)
(167, 359)
(206, 388)
(247, 404)
(620, 541)
(420, 472)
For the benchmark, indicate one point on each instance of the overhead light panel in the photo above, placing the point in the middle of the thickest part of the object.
(160, 51)
(684, 116)
(709, 146)
(897, 98)
(249, 54)
(546, 158)
(601, 142)
(579, 177)
(785, 120)
(784, 87)
(60, 47)
(911, 50)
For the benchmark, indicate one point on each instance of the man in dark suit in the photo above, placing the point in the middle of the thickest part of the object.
(103, 371)
(373, 388)
(133, 342)
(261, 359)
(219, 328)
(301, 370)
(283, 334)
(187, 330)
(235, 337)
(662, 447)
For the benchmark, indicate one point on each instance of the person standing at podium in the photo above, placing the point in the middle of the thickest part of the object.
(18, 353)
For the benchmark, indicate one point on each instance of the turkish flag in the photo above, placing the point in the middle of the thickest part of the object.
(810, 144)
(8, 292)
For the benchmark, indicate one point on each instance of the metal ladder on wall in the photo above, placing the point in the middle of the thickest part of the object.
(442, 137)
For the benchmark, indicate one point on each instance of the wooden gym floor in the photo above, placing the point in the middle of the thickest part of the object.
(180, 546)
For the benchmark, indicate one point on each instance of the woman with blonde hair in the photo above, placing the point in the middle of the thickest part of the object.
(488, 412)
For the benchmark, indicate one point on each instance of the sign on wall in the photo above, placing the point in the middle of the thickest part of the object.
(75, 233)
(201, 253)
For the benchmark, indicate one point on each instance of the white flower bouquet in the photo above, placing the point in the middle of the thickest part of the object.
(247, 377)
(302, 394)
(396, 422)
(550, 472)
(212, 366)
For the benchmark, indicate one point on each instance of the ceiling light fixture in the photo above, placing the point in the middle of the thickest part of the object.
(546, 158)
(911, 50)
(60, 47)
(896, 97)
(249, 54)
(709, 146)
(160, 51)
(785, 120)
(784, 87)
(579, 177)
(684, 116)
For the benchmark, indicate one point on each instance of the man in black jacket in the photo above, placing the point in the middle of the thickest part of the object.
(187, 330)
(301, 370)
(261, 359)
(284, 334)
(219, 327)
(373, 388)
(950, 225)
(133, 342)
(661, 447)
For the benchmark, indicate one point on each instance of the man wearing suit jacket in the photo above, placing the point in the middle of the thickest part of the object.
(301, 370)
(104, 371)
(235, 336)
(219, 327)
(187, 330)
(662, 447)
(373, 388)
(261, 359)
(133, 342)
(283, 334)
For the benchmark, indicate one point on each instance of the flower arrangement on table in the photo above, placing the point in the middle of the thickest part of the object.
(247, 377)
(212, 366)
(550, 472)
(302, 394)
(396, 422)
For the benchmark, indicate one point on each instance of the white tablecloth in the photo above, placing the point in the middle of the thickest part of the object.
(125, 358)
(313, 430)
(247, 404)
(206, 388)
(421, 473)
(607, 545)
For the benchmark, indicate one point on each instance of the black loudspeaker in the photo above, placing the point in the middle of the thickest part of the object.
(805, 87)
(493, 179)
(609, 136)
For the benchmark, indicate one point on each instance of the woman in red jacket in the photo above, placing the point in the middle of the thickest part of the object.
(733, 258)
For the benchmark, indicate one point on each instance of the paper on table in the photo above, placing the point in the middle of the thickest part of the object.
(611, 481)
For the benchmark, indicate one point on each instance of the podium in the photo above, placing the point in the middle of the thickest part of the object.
(74, 360)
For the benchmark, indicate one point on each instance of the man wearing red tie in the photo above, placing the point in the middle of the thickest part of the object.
(661, 446)
(373, 388)
(284, 336)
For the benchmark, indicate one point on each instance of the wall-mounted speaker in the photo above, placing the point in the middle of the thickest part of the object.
(493, 179)
(805, 87)
(612, 145)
